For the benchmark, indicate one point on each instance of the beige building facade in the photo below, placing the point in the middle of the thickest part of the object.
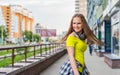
(17, 19)
(81, 7)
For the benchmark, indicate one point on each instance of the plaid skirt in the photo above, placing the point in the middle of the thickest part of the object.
(66, 69)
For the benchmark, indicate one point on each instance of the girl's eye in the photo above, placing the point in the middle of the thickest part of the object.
(74, 23)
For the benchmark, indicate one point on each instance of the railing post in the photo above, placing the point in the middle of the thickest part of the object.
(12, 57)
(25, 54)
(53, 49)
(46, 49)
(49, 49)
(41, 50)
(34, 52)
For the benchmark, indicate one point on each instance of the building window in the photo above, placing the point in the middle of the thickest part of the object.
(115, 22)
(115, 39)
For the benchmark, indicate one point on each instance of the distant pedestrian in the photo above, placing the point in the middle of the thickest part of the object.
(114, 41)
(90, 49)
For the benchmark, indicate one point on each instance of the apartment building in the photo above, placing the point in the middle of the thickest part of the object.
(2, 22)
(17, 19)
(81, 7)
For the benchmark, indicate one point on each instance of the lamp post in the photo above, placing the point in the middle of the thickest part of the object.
(21, 30)
(21, 16)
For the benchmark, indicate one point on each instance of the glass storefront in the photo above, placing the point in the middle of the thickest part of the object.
(115, 39)
(115, 20)
(102, 37)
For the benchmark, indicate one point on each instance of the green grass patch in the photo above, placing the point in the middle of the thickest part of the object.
(5, 52)
(7, 61)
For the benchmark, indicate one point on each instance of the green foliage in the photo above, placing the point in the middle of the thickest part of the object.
(36, 37)
(5, 62)
(28, 35)
(4, 52)
(4, 32)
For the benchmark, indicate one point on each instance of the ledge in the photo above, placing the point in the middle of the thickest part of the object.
(101, 53)
(112, 61)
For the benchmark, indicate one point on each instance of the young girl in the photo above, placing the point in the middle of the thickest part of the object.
(77, 37)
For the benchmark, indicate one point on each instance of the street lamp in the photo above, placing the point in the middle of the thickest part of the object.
(21, 16)
(21, 30)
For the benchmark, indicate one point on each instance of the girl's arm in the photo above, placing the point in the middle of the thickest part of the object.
(72, 60)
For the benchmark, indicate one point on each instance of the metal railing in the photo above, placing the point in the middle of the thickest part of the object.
(42, 49)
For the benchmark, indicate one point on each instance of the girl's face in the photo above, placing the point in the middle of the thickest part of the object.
(77, 24)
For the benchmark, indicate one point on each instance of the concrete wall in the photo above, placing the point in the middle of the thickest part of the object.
(37, 67)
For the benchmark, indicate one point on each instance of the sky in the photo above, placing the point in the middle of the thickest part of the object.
(52, 14)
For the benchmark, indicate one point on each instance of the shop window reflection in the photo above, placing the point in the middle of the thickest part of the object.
(115, 40)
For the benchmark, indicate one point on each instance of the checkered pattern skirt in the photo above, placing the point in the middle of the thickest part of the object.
(66, 69)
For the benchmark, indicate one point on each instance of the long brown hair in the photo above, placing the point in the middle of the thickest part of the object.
(90, 37)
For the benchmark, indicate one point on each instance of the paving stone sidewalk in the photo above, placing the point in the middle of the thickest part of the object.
(95, 64)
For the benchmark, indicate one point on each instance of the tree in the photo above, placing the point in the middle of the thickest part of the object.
(28, 35)
(3, 32)
(36, 37)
